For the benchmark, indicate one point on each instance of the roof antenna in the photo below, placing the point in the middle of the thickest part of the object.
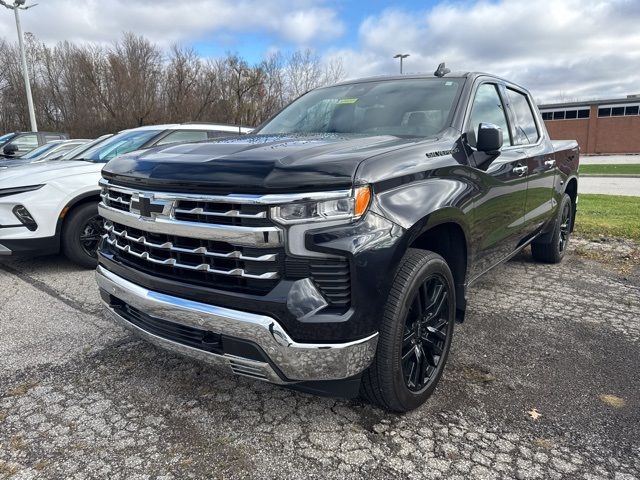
(441, 71)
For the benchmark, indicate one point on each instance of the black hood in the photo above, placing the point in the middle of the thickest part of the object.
(253, 163)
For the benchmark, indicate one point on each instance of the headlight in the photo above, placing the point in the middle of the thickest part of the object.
(350, 207)
(5, 192)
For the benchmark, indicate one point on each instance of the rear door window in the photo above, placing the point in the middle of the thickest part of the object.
(526, 128)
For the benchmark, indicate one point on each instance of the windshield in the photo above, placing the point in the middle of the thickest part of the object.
(36, 152)
(6, 137)
(404, 108)
(123, 142)
(77, 151)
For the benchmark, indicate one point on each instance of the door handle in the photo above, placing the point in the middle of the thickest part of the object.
(520, 170)
(550, 164)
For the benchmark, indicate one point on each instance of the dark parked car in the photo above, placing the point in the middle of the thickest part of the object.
(332, 249)
(18, 143)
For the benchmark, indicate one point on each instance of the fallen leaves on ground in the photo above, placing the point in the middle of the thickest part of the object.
(535, 414)
(612, 400)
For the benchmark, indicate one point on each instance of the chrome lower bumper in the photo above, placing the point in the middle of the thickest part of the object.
(4, 250)
(297, 362)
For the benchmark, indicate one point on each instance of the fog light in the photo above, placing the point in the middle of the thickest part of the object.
(25, 217)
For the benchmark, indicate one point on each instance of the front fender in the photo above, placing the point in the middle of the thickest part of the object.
(421, 206)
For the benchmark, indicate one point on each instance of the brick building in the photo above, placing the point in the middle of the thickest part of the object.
(600, 126)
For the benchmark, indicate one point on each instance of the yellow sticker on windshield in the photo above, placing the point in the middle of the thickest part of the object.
(347, 101)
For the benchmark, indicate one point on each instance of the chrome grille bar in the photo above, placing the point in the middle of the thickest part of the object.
(230, 213)
(262, 237)
(106, 196)
(203, 267)
(199, 250)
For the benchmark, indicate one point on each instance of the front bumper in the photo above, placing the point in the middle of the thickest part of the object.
(30, 246)
(285, 361)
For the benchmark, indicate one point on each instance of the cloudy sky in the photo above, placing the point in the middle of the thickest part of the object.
(560, 49)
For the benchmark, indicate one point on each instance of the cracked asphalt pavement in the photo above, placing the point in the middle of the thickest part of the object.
(81, 398)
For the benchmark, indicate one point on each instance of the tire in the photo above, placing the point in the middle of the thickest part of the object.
(553, 249)
(388, 381)
(81, 234)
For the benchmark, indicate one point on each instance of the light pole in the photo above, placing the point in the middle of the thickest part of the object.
(16, 7)
(401, 56)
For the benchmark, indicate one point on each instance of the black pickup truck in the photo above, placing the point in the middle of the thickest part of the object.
(332, 249)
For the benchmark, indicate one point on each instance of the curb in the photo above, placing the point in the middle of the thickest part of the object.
(609, 175)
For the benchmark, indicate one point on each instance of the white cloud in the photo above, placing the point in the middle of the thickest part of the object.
(169, 21)
(557, 48)
(568, 48)
(303, 26)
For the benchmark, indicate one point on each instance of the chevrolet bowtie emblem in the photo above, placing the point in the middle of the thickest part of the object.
(145, 206)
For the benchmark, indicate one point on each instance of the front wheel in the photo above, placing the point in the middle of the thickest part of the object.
(415, 334)
(81, 234)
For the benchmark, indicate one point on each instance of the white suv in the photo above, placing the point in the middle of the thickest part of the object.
(53, 206)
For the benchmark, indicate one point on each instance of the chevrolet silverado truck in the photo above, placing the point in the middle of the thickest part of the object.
(332, 249)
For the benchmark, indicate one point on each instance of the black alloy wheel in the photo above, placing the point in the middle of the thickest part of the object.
(552, 246)
(415, 334)
(425, 333)
(90, 235)
(565, 227)
(81, 234)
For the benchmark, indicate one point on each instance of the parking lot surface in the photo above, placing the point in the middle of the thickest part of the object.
(542, 382)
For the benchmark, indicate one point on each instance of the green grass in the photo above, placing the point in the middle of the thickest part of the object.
(608, 216)
(601, 169)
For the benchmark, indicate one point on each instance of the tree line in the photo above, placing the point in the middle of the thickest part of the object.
(89, 89)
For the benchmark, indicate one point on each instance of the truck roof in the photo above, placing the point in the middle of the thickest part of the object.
(378, 78)
(466, 75)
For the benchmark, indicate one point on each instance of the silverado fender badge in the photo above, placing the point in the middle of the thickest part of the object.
(442, 153)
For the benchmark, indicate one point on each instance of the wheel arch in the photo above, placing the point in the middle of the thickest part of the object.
(446, 235)
(572, 190)
(87, 197)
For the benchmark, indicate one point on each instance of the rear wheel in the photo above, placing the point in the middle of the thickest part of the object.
(415, 334)
(553, 249)
(81, 235)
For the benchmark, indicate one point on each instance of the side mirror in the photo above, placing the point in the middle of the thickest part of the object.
(10, 149)
(489, 139)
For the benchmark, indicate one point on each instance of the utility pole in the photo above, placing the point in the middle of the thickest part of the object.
(16, 7)
(401, 56)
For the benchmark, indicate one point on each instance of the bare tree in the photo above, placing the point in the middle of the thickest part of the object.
(87, 89)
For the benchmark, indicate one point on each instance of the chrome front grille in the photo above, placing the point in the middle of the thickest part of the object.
(223, 242)
(221, 213)
(214, 263)
(167, 251)
(209, 240)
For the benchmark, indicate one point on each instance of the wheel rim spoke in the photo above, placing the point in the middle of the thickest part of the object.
(425, 332)
(409, 335)
(91, 235)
